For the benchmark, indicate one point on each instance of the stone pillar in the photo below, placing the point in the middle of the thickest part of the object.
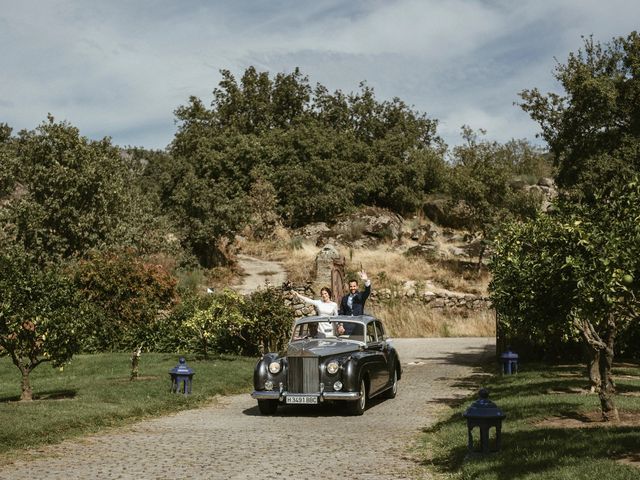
(324, 267)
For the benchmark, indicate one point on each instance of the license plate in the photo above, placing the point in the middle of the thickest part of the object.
(301, 399)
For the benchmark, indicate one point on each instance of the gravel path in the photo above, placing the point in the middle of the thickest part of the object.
(257, 272)
(230, 440)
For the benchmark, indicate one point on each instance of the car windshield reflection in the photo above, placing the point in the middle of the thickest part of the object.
(341, 330)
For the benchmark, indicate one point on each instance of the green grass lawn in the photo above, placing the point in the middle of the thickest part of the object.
(551, 430)
(94, 392)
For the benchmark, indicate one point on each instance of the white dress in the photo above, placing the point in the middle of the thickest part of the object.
(325, 309)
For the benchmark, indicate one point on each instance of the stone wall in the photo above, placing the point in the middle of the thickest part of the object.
(300, 309)
(442, 300)
(433, 299)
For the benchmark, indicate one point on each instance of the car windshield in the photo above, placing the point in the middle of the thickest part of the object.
(335, 329)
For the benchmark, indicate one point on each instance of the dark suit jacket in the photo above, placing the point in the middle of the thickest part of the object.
(358, 302)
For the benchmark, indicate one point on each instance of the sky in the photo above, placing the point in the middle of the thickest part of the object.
(120, 68)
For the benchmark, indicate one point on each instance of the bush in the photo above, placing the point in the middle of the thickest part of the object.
(227, 322)
(127, 294)
(172, 333)
(271, 322)
(219, 327)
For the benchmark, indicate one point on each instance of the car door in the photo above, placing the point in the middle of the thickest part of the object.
(378, 364)
(388, 358)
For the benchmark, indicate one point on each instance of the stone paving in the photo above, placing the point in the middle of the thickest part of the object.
(229, 439)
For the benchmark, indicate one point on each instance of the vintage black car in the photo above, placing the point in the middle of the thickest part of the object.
(342, 358)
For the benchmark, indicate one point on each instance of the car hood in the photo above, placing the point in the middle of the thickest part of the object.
(321, 347)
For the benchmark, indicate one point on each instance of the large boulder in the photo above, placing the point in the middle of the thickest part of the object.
(546, 189)
(363, 228)
(424, 233)
(441, 210)
(313, 230)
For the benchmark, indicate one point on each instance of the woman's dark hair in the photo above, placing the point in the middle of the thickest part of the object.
(327, 289)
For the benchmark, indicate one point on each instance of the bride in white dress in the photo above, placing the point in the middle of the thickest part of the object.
(325, 308)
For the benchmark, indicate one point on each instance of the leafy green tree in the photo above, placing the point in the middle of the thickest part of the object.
(480, 181)
(324, 153)
(128, 295)
(593, 129)
(41, 315)
(531, 294)
(69, 194)
(587, 257)
(7, 161)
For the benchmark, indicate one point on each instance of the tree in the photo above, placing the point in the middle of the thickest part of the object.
(532, 296)
(588, 257)
(40, 315)
(7, 161)
(480, 181)
(127, 295)
(593, 129)
(324, 153)
(69, 194)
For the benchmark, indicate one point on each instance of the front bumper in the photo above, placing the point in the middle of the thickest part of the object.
(321, 396)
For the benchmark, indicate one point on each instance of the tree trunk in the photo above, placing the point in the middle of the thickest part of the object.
(607, 386)
(135, 361)
(25, 384)
(593, 367)
(205, 348)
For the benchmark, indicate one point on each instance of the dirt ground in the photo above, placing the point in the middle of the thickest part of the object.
(259, 273)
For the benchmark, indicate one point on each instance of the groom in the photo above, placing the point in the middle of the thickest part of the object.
(353, 302)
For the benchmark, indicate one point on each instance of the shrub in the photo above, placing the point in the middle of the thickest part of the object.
(127, 294)
(220, 327)
(271, 322)
(231, 323)
(172, 333)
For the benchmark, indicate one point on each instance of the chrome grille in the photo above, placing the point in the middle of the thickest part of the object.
(304, 376)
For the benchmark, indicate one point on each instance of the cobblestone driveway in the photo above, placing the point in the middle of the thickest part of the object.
(230, 440)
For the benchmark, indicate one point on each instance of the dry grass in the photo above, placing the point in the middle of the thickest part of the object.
(300, 263)
(220, 277)
(390, 267)
(387, 267)
(411, 320)
(273, 248)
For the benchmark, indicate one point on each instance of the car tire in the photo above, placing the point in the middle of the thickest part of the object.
(267, 407)
(393, 391)
(359, 406)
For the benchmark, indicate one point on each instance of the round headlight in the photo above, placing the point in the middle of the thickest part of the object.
(337, 386)
(274, 367)
(332, 367)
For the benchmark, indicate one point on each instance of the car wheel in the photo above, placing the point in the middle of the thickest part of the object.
(358, 407)
(393, 391)
(267, 407)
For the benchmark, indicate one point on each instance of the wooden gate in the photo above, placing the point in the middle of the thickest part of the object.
(337, 279)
